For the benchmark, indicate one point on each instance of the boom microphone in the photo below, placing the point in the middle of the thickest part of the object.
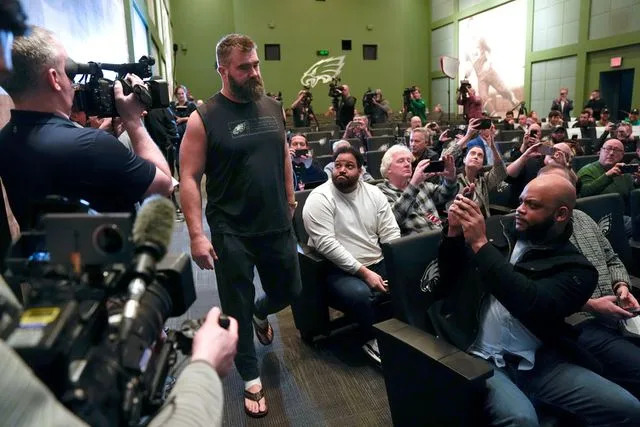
(152, 232)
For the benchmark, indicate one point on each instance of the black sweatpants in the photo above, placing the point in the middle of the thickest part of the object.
(276, 259)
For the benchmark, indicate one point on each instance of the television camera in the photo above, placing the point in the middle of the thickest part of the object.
(92, 326)
(95, 96)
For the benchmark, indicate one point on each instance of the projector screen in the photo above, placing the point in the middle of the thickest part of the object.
(492, 55)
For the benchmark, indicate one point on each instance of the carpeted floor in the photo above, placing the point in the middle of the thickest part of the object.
(331, 383)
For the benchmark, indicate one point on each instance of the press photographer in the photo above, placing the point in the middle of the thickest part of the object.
(379, 109)
(302, 110)
(471, 104)
(42, 152)
(343, 103)
(104, 361)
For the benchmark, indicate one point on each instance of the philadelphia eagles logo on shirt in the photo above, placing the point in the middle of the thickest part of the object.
(240, 128)
(430, 277)
(604, 224)
(322, 71)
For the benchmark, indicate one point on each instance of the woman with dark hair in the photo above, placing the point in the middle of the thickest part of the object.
(181, 108)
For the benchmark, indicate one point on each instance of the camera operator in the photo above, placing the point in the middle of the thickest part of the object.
(346, 107)
(380, 109)
(302, 110)
(43, 153)
(471, 104)
(197, 394)
(417, 106)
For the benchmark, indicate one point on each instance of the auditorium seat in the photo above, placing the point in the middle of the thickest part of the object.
(317, 136)
(380, 143)
(579, 162)
(429, 382)
(607, 211)
(511, 135)
(504, 146)
(501, 199)
(319, 148)
(323, 160)
(383, 131)
(374, 159)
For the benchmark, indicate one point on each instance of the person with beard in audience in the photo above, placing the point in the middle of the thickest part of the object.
(623, 132)
(604, 118)
(413, 199)
(347, 220)
(522, 122)
(596, 104)
(238, 139)
(506, 286)
(587, 129)
(328, 169)
(508, 122)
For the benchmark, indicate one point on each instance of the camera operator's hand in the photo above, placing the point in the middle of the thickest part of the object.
(202, 252)
(129, 107)
(214, 344)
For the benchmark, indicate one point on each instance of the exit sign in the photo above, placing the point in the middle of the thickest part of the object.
(616, 61)
(322, 52)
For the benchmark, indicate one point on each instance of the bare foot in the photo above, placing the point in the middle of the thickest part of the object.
(253, 406)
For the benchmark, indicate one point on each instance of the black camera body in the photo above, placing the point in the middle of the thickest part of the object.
(68, 331)
(335, 89)
(367, 101)
(464, 88)
(96, 97)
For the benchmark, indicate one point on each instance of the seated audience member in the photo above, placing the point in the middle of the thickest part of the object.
(44, 153)
(484, 182)
(554, 119)
(436, 114)
(421, 146)
(413, 200)
(414, 122)
(622, 132)
(522, 122)
(604, 176)
(558, 135)
(563, 104)
(633, 119)
(484, 135)
(346, 220)
(596, 104)
(328, 169)
(358, 128)
(305, 169)
(604, 118)
(506, 286)
(508, 122)
(587, 129)
(533, 115)
(600, 321)
(525, 168)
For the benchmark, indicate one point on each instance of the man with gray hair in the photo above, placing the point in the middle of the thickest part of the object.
(413, 200)
(328, 169)
(238, 139)
(43, 153)
(421, 146)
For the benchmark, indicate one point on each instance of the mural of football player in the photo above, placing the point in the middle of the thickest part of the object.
(480, 61)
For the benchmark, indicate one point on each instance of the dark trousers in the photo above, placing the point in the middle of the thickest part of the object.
(276, 260)
(619, 355)
(351, 295)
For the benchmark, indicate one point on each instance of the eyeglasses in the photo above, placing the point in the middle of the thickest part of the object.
(612, 150)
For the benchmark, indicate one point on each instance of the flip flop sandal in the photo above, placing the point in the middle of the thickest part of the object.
(263, 333)
(256, 398)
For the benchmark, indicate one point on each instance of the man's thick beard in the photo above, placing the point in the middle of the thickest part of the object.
(344, 185)
(537, 233)
(251, 90)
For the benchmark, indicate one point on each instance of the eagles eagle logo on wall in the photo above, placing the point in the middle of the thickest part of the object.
(322, 71)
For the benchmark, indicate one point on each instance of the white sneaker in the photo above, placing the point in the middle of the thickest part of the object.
(371, 349)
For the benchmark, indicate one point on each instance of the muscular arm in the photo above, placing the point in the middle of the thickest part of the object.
(193, 153)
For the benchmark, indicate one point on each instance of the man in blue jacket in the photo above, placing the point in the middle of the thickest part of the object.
(505, 288)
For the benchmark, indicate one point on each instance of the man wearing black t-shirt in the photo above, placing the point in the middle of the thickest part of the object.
(238, 139)
(43, 153)
(346, 108)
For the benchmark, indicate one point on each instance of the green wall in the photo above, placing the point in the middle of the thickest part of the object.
(600, 61)
(301, 27)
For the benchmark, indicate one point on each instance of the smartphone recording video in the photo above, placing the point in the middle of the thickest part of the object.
(435, 166)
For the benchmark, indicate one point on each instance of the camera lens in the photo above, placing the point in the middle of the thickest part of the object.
(108, 239)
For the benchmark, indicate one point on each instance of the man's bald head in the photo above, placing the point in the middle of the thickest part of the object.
(556, 190)
(546, 206)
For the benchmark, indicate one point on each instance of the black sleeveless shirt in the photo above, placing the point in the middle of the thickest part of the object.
(245, 166)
